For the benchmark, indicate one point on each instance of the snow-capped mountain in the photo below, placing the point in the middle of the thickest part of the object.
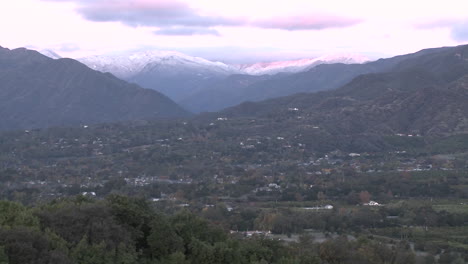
(202, 85)
(51, 54)
(179, 76)
(294, 66)
(175, 74)
(127, 66)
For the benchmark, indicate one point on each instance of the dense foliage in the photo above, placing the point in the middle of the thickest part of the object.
(125, 230)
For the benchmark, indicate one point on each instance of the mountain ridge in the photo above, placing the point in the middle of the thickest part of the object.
(300, 65)
(319, 78)
(414, 97)
(183, 77)
(37, 91)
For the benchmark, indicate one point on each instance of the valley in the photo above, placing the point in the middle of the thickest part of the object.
(375, 167)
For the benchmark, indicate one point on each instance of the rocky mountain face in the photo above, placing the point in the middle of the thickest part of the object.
(37, 91)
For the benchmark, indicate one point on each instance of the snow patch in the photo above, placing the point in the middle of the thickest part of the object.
(129, 65)
(294, 66)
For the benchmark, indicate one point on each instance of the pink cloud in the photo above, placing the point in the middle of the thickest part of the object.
(313, 22)
(173, 16)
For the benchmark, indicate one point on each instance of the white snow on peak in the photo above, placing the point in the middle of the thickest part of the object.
(51, 54)
(294, 66)
(129, 65)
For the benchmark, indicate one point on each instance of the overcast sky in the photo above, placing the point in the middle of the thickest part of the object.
(234, 30)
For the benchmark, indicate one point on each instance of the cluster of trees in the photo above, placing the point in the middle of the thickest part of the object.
(341, 219)
(126, 230)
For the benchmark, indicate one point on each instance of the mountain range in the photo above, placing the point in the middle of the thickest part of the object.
(301, 65)
(242, 88)
(191, 81)
(201, 85)
(422, 94)
(37, 91)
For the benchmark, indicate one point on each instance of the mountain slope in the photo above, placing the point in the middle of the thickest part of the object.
(37, 91)
(50, 53)
(191, 80)
(424, 95)
(174, 74)
(320, 78)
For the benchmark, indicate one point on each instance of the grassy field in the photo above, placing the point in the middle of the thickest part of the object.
(459, 208)
(441, 237)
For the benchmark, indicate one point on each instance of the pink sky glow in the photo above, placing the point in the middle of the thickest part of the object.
(234, 31)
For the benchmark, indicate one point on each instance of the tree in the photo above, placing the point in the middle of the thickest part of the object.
(174, 258)
(364, 196)
(163, 240)
(321, 196)
(3, 256)
(14, 214)
(188, 226)
(334, 251)
(84, 253)
(200, 252)
(134, 214)
(23, 245)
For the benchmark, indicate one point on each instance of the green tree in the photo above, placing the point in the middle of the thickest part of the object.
(3, 256)
(335, 251)
(14, 214)
(84, 253)
(163, 240)
(189, 226)
(174, 258)
(135, 215)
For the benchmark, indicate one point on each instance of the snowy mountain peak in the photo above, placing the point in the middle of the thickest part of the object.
(294, 66)
(346, 58)
(128, 65)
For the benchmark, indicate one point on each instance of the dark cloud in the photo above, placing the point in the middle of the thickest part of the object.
(173, 16)
(313, 22)
(186, 31)
(157, 13)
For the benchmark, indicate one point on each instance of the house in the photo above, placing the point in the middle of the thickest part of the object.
(274, 185)
(372, 203)
(322, 207)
